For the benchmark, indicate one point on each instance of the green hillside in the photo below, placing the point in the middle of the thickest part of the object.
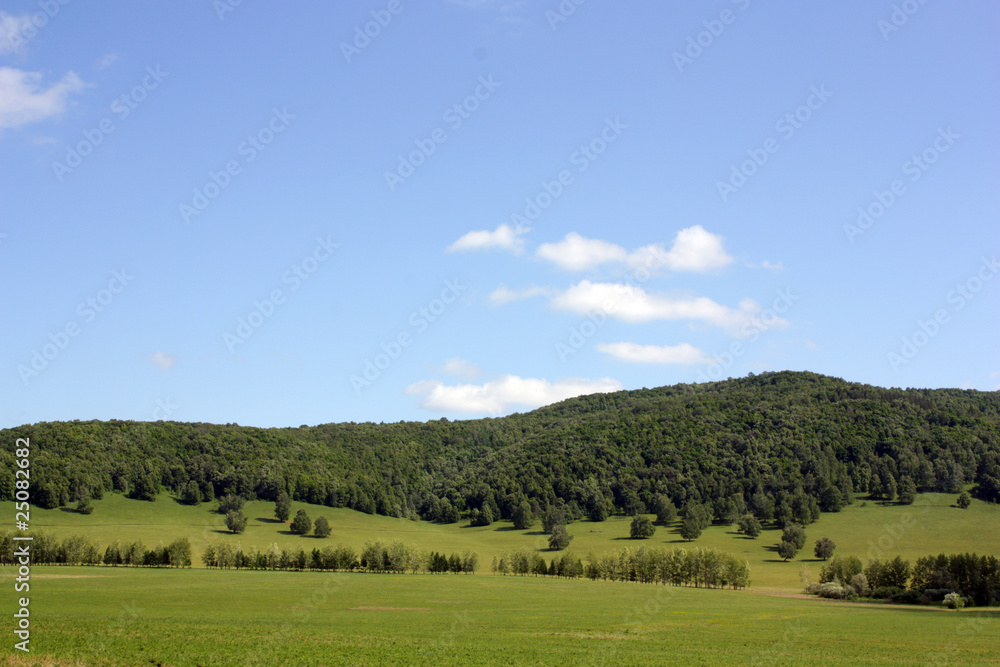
(783, 446)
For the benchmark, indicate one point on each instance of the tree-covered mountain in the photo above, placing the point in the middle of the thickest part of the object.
(780, 445)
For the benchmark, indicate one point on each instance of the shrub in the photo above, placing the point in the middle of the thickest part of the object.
(953, 601)
(859, 583)
(886, 592)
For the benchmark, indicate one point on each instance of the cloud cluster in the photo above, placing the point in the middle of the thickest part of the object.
(683, 354)
(23, 100)
(505, 394)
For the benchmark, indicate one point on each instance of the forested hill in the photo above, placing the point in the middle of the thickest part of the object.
(781, 445)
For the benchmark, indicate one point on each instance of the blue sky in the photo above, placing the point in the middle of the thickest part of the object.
(230, 212)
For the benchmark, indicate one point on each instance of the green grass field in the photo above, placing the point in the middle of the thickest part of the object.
(930, 525)
(117, 616)
(124, 616)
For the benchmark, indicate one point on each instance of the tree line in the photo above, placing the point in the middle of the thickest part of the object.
(701, 568)
(782, 447)
(376, 556)
(975, 579)
(81, 550)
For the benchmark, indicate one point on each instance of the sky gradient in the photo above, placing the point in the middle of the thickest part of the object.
(229, 212)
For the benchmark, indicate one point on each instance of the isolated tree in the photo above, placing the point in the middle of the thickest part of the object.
(523, 517)
(235, 521)
(750, 526)
(642, 527)
(787, 550)
(191, 494)
(824, 548)
(690, 527)
(481, 517)
(301, 524)
(282, 507)
(83, 505)
(560, 538)
(665, 511)
(964, 501)
(795, 534)
(598, 509)
(322, 527)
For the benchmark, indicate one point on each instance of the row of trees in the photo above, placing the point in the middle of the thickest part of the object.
(376, 556)
(779, 446)
(81, 550)
(975, 578)
(707, 568)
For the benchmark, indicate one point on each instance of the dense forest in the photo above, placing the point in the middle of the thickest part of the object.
(782, 446)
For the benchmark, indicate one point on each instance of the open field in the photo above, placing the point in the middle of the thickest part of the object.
(183, 617)
(930, 525)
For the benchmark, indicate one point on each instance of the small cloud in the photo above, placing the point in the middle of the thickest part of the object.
(460, 368)
(107, 61)
(779, 266)
(577, 253)
(694, 249)
(502, 295)
(683, 354)
(633, 304)
(504, 237)
(23, 101)
(811, 344)
(162, 360)
(502, 395)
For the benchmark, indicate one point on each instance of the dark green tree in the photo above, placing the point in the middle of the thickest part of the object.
(750, 526)
(322, 527)
(690, 527)
(824, 548)
(787, 550)
(642, 527)
(301, 524)
(559, 538)
(664, 509)
(282, 507)
(235, 521)
(523, 518)
(191, 494)
(795, 534)
(964, 501)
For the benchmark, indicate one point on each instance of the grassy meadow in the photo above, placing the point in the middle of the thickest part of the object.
(931, 525)
(118, 616)
(126, 616)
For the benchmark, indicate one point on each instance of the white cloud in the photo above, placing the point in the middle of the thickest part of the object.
(779, 266)
(22, 100)
(108, 60)
(502, 295)
(633, 304)
(693, 249)
(685, 353)
(460, 368)
(576, 253)
(162, 360)
(504, 237)
(504, 394)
